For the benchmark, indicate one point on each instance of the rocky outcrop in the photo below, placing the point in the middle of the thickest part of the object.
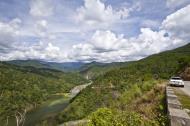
(185, 74)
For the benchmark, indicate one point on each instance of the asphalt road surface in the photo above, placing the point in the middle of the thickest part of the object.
(186, 88)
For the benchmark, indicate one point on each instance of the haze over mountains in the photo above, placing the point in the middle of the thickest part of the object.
(67, 66)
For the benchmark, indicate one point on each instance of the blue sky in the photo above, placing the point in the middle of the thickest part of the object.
(91, 30)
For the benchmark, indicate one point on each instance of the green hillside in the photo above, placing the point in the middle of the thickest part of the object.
(32, 63)
(65, 66)
(118, 89)
(94, 69)
(22, 88)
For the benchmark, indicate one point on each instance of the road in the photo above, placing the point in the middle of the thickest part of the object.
(77, 89)
(186, 89)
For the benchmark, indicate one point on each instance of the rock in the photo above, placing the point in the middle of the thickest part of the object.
(186, 74)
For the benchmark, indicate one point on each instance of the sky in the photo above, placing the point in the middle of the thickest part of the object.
(91, 30)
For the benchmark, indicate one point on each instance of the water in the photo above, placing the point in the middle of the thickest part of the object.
(50, 108)
(47, 110)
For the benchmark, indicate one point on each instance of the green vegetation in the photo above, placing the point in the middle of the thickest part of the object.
(121, 94)
(108, 117)
(23, 88)
(146, 110)
(66, 67)
(30, 63)
(116, 89)
(184, 99)
(95, 69)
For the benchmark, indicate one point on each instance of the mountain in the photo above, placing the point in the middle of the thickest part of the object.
(32, 63)
(66, 66)
(123, 89)
(24, 87)
(94, 69)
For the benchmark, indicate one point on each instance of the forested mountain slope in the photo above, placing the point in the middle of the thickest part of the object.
(117, 88)
(22, 88)
(66, 66)
(94, 69)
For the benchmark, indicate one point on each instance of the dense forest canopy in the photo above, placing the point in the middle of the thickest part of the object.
(22, 88)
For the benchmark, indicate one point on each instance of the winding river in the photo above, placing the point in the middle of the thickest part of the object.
(51, 107)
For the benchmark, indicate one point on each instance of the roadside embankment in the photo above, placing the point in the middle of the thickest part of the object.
(176, 114)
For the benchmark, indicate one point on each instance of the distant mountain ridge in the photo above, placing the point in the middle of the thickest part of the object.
(93, 68)
(66, 66)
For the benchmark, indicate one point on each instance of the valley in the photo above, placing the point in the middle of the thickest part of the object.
(50, 108)
(52, 97)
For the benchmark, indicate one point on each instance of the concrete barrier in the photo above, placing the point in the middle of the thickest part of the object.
(174, 103)
(170, 92)
(176, 114)
(178, 117)
(171, 96)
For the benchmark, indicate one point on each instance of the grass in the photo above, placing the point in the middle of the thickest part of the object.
(183, 98)
(152, 105)
(147, 109)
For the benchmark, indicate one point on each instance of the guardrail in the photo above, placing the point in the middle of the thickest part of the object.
(176, 114)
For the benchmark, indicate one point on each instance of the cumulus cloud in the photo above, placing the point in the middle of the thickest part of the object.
(41, 8)
(106, 40)
(8, 33)
(101, 43)
(177, 23)
(96, 13)
(106, 46)
(11, 46)
(41, 51)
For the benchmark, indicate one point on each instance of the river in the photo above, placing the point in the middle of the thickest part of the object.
(50, 108)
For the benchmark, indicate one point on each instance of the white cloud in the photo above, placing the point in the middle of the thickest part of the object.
(95, 13)
(150, 23)
(41, 28)
(39, 51)
(177, 23)
(13, 47)
(9, 31)
(176, 3)
(106, 40)
(103, 45)
(106, 46)
(41, 8)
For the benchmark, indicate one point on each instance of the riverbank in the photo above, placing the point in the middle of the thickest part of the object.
(52, 107)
